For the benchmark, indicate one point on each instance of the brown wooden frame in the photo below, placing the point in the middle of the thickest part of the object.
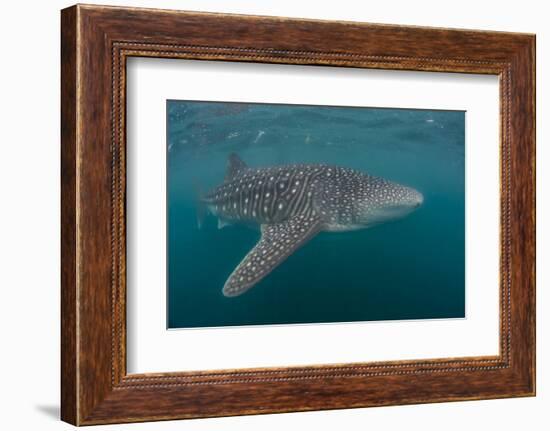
(95, 43)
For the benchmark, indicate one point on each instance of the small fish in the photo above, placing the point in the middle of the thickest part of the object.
(258, 136)
(293, 203)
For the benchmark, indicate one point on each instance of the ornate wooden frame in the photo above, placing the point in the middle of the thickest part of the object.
(95, 43)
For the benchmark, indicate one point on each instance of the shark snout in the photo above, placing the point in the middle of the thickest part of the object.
(411, 198)
(418, 198)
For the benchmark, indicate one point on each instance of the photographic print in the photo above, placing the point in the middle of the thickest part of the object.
(292, 214)
(282, 220)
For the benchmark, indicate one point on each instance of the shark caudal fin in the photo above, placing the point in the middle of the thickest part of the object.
(201, 208)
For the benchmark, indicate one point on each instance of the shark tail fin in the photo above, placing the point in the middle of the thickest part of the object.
(201, 208)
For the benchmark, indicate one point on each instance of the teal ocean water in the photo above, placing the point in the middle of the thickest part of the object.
(413, 268)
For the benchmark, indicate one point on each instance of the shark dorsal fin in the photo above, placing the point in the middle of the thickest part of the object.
(235, 166)
(278, 241)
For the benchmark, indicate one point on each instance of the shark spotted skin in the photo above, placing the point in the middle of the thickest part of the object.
(293, 203)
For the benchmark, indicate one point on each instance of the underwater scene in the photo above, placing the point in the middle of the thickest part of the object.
(294, 214)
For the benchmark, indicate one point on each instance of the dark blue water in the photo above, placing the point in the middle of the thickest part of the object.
(412, 268)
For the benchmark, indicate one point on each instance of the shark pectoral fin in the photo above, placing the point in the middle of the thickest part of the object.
(278, 241)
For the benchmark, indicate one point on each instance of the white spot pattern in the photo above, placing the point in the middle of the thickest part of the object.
(342, 197)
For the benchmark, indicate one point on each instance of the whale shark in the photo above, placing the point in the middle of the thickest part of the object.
(293, 203)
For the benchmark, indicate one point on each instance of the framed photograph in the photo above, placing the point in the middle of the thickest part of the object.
(265, 214)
